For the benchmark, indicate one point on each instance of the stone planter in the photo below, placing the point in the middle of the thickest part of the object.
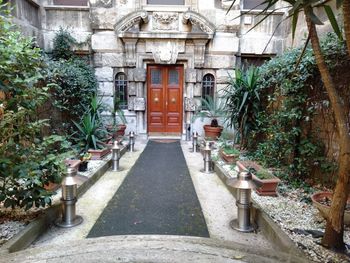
(317, 198)
(212, 132)
(99, 154)
(228, 158)
(268, 186)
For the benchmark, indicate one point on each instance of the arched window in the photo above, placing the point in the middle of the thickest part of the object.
(121, 91)
(208, 85)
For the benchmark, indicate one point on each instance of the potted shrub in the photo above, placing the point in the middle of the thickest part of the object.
(212, 110)
(229, 154)
(323, 200)
(262, 176)
(117, 129)
(84, 160)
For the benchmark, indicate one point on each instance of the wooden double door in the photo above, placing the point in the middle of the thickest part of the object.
(164, 102)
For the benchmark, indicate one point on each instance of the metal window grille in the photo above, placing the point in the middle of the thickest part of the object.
(166, 2)
(121, 85)
(208, 85)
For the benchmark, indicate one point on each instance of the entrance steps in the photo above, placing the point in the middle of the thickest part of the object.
(149, 248)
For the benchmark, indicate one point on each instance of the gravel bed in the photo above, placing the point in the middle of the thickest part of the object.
(289, 212)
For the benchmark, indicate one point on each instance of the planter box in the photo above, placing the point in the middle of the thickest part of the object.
(228, 158)
(324, 209)
(212, 132)
(268, 186)
(99, 154)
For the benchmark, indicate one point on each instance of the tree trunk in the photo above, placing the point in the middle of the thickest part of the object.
(346, 14)
(333, 237)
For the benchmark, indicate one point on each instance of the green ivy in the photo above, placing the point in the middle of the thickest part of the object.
(290, 83)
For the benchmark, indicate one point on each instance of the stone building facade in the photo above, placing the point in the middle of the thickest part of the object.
(159, 59)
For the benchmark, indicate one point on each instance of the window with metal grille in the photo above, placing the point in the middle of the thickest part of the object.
(208, 85)
(166, 2)
(121, 91)
(71, 2)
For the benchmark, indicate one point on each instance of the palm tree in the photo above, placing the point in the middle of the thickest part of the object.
(334, 234)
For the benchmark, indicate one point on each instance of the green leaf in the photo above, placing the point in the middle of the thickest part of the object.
(314, 18)
(294, 24)
(333, 21)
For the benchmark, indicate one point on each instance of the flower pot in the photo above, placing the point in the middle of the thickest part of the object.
(268, 186)
(99, 154)
(121, 130)
(319, 198)
(83, 166)
(212, 132)
(228, 158)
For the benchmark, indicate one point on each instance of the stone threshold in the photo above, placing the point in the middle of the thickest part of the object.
(40, 225)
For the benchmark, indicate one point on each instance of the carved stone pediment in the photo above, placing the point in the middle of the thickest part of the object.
(131, 20)
(200, 21)
(165, 21)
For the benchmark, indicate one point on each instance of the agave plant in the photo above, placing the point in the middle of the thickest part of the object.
(242, 102)
(212, 108)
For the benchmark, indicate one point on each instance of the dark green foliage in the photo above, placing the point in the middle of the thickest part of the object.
(291, 104)
(27, 159)
(74, 78)
(243, 102)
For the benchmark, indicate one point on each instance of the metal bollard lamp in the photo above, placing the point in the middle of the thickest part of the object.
(208, 163)
(131, 141)
(194, 142)
(69, 199)
(115, 156)
(188, 131)
(244, 185)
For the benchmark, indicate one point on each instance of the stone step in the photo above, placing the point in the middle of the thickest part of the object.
(150, 248)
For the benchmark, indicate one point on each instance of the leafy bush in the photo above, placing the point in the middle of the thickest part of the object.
(291, 102)
(27, 159)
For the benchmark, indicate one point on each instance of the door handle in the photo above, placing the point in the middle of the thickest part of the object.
(173, 100)
(156, 100)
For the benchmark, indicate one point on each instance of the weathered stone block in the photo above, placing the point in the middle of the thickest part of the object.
(106, 88)
(191, 75)
(199, 75)
(224, 42)
(108, 60)
(105, 41)
(103, 18)
(197, 91)
(140, 75)
(131, 75)
(101, 3)
(222, 76)
(132, 89)
(107, 100)
(220, 61)
(104, 74)
(140, 104)
(131, 103)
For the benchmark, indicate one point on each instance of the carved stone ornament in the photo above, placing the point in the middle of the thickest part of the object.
(165, 21)
(130, 52)
(131, 20)
(166, 52)
(190, 104)
(199, 53)
(101, 3)
(200, 21)
(140, 104)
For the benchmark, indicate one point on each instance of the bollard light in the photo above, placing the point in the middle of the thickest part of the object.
(244, 185)
(69, 199)
(115, 156)
(188, 131)
(208, 163)
(131, 141)
(194, 142)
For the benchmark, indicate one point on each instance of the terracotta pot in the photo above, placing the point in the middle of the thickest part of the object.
(51, 186)
(98, 154)
(228, 158)
(121, 130)
(268, 186)
(324, 209)
(212, 132)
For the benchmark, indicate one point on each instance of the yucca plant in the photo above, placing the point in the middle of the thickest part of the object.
(212, 108)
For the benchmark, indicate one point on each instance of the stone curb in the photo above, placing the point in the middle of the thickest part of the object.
(270, 229)
(37, 227)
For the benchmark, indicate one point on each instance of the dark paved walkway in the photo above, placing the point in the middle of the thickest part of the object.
(157, 197)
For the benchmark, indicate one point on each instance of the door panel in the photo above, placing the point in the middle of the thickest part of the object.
(164, 98)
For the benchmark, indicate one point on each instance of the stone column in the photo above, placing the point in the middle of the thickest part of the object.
(190, 106)
(140, 101)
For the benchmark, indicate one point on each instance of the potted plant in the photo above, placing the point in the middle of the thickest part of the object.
(229, 154)
(84, 160)
(117, 129)
(213, 110)
(267, 181)
(323, 200)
